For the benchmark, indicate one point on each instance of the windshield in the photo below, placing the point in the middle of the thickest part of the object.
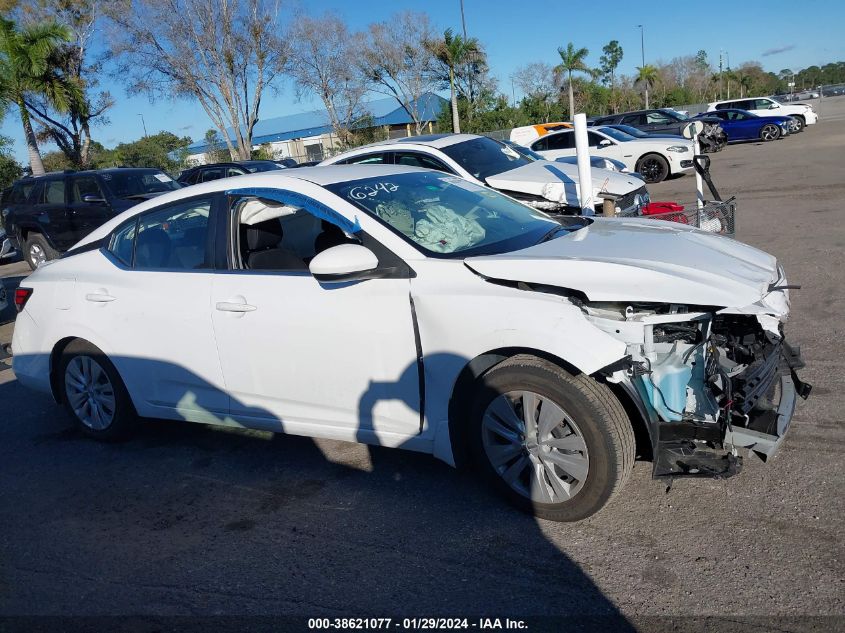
(126, 184)
(483, 157)
(263, 166)
(447, 216)
(616, 135)
(630, 130)
(675, 114)
(528, 153)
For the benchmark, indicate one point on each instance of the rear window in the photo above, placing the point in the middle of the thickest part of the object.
(127, 184)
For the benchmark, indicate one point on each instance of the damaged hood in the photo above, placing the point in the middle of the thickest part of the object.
(558, 182)
(641, 260)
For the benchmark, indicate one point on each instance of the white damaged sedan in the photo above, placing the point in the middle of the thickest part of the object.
(410, 308)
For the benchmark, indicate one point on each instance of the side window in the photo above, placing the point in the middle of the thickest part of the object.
(541, 145)
(723, 106)
(123, 242)
(37, 195)
(20, 192)
(633, 119)
(54, 191)
(215, 173)
(234, 171)
(175, 237)
(366, 159)
(287, 240)
(565, 140)
(413, 159)
(594, 139)
(84, 186)
(764, 104)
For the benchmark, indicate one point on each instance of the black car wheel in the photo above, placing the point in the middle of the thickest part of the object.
(653, 168)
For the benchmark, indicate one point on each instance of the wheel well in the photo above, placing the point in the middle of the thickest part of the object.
(658, 154)
(800, 116)
(461, 398)
(55, 356)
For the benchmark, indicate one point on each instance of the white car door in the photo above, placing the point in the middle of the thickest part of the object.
(150, 306)
(309, 358)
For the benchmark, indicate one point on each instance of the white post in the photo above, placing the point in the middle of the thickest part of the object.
(699, 183)
(585, 174)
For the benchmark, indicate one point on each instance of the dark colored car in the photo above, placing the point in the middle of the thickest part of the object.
(666, 121)
(216, 171)
(741, 125)
(45, 215)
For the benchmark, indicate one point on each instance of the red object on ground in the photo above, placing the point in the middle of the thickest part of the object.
(670, 211)
(658, 208)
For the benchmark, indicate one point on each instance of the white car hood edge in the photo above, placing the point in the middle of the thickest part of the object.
(641, 260)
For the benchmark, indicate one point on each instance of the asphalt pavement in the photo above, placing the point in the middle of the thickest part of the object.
(189, 520)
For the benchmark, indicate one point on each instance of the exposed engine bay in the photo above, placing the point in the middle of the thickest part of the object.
(712, 382)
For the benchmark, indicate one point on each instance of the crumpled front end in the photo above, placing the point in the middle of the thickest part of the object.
(710, 382)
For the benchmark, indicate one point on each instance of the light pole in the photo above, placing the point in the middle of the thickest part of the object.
(143, 124)
(642, 42)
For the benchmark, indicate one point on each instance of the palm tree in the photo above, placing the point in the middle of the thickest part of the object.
(453, 51)
(26, 68)
(646, 76)
(571, 61)
(744, 84)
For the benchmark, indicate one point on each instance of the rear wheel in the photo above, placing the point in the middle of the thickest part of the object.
(770, 132)
(653, 167)
(93, 392)
(36, 250)
(555, 445)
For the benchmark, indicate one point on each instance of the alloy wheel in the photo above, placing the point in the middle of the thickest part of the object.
(535, 446)
(769, 133)
(90, 392)
(36, 254)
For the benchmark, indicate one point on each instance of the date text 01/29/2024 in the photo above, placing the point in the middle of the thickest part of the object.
(416, 624)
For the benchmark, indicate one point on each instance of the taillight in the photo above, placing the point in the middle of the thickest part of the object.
(22, 295)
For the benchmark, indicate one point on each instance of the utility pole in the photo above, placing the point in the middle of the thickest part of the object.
(728, 59)
(144, 124)
(720, 74)
(463, 19)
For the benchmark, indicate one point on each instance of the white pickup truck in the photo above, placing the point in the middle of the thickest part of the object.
(764, 106)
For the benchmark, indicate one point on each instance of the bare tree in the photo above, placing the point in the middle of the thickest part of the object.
(322, 50)
(223, 53)
(538, 81)
(397, 60)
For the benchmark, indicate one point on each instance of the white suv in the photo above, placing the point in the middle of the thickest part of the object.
(763, 106)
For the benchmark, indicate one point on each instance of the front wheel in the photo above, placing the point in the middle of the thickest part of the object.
(770, 132)
(799, 124)
(36, 250)
(555, 445)
(653, 167)
(93, 392)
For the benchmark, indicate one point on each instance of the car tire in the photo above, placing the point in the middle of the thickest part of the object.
(653, 168)
(36, 250)
(800, 124)
(94, 394)
(769, 132)
(567, 460)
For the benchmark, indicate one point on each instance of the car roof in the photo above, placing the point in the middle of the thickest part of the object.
(85, 172)
(431, 140)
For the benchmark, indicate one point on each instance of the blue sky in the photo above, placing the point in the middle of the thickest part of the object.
(776, 33)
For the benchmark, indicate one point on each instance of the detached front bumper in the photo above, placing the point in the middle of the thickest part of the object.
(6, 247)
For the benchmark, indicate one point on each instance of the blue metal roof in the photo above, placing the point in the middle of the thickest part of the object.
(386, 111)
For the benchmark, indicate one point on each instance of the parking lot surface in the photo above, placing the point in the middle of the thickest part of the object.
(190, 520)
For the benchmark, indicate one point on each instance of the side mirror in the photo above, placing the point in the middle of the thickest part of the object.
(346, 262)
(693, 128)
(92, 199)
(604, 143)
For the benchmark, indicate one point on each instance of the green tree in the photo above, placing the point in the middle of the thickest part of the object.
(10, 169)
(609, 61)
(164, 150)
(453, 52)
(571, 61)
(26, 69)
(216, 151)
(646, 76)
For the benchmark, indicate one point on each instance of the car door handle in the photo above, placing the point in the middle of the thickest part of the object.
(97, 297)
(228, 306)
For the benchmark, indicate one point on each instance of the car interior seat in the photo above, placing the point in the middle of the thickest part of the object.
(331, 235)
(263, 251)
(153, 248)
